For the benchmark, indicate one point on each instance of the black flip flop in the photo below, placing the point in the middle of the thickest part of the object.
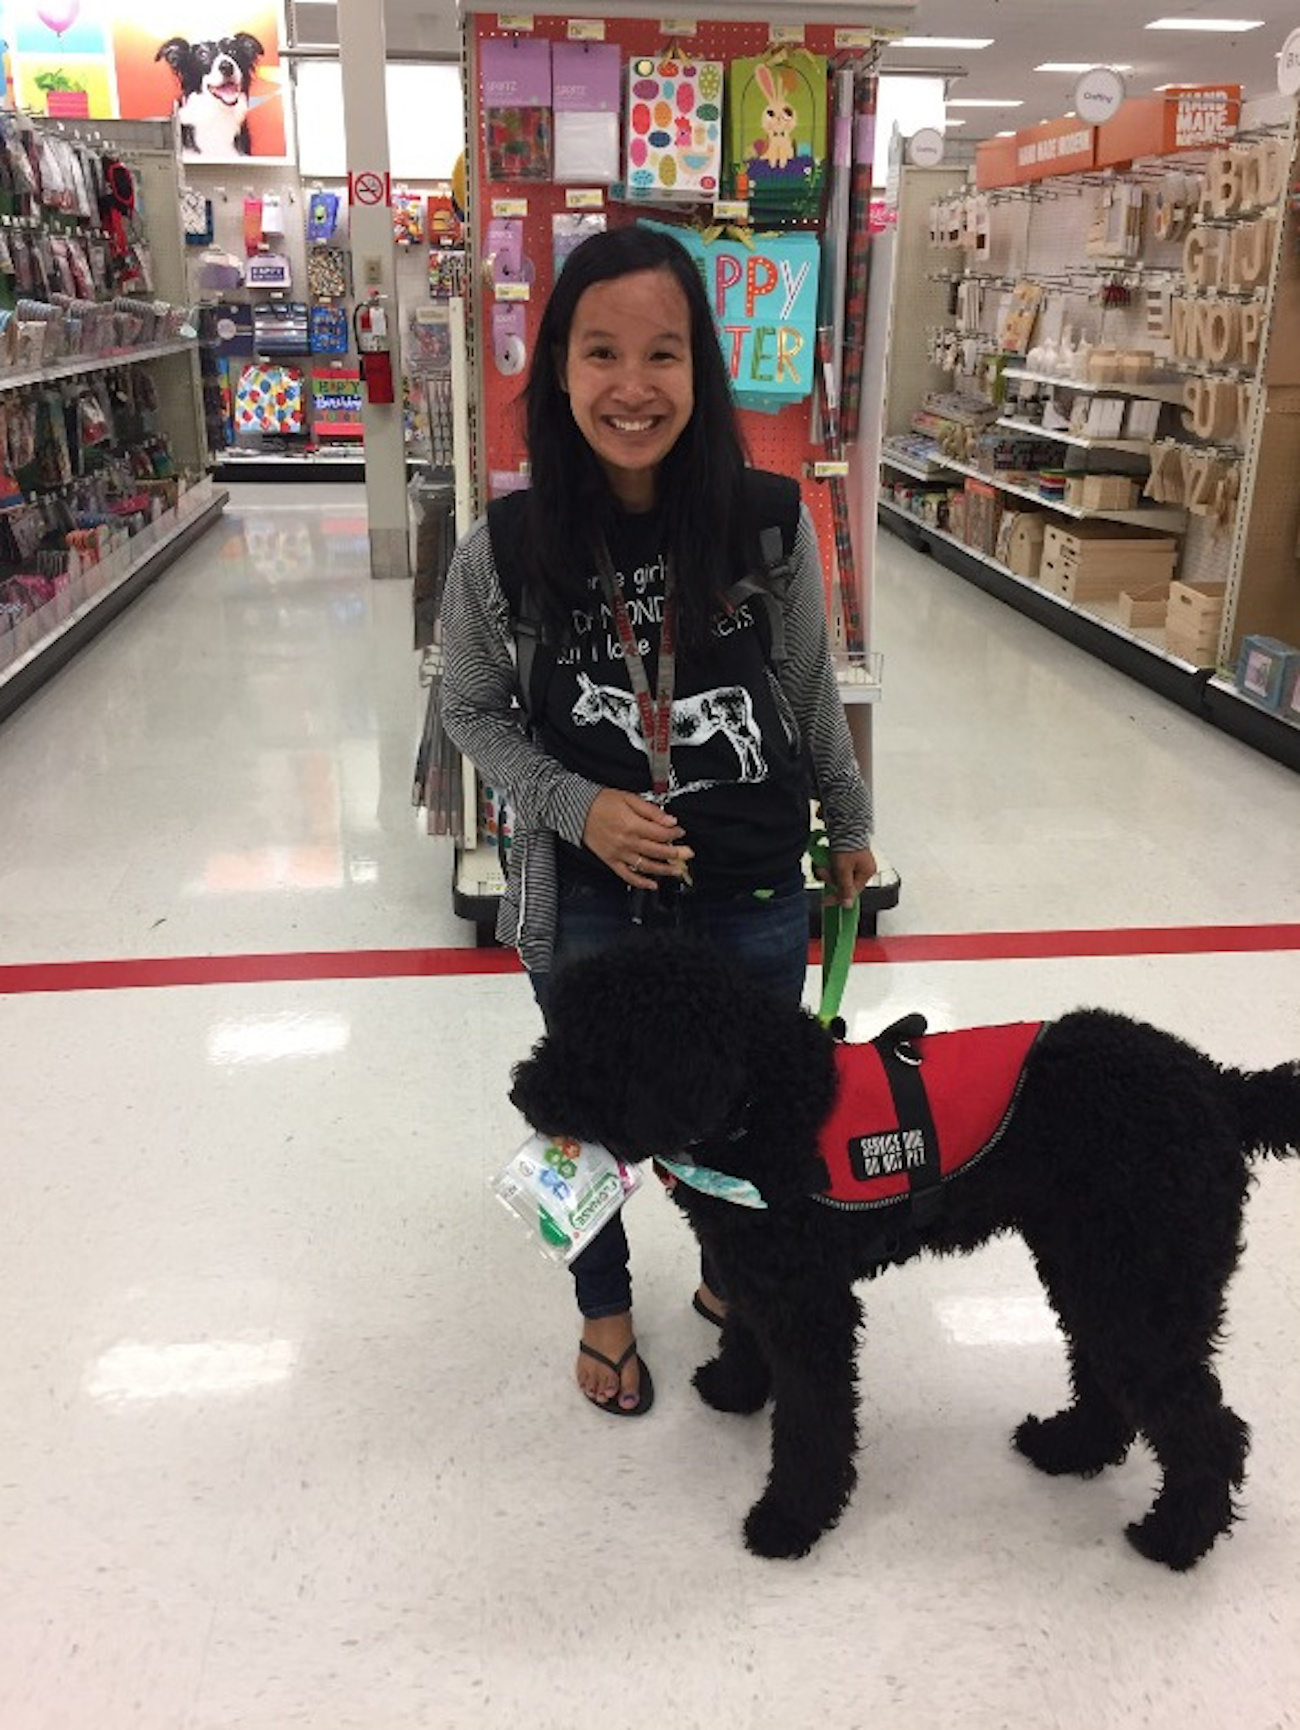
(710, 1315)
(647, 1393)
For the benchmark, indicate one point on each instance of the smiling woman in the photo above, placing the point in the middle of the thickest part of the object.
(660, 776)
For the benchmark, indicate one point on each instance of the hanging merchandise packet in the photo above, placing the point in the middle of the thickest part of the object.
(565, 1191)
(776, 133)
(587, 97)
(674, 129)
(322, 217)
(515, 92)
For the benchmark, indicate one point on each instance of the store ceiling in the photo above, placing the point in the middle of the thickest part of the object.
(1025, 33)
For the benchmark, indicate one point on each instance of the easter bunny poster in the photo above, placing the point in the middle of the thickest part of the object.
(777, 132)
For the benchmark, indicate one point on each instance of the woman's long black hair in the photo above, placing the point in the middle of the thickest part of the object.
(700, 484)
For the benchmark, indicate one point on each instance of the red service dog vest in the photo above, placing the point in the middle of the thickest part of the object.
(911, 1112)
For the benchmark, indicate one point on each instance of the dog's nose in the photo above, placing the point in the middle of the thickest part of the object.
(226, 67)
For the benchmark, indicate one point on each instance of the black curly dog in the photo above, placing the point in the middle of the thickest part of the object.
(1124, 1168)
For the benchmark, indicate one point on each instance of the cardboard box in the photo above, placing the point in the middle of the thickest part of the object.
(1264, 668)
(1147, 606)
(983, 513)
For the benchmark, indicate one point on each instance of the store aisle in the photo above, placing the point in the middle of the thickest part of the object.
(284, 1412)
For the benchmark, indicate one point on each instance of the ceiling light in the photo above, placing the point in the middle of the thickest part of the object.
(1079, 66)
(941, 42)
(1004, 135)
(1228, 26)
(988, 102)
(949, 121)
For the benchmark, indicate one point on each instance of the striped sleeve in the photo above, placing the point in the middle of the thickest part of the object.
(808, 679)
(478, 707)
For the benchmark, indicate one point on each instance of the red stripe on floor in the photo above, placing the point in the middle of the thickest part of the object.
(143, 974)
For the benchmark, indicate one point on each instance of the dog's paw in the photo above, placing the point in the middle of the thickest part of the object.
(722, 1385)
(774, 1532)
(1071, 1444)
(1159, 1540)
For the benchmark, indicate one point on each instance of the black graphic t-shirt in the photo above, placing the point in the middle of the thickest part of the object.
(738, 787)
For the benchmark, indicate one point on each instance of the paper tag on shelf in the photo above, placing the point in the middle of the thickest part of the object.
(512, 291)
(584, 198)
(678, 26)
(854, 38)
(791, 34)
(510, 207)
(586, 29)
(731, 209)
(825, 471)
(514, 20)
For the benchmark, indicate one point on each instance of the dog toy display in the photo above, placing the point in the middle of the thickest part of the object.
(1119, 1153)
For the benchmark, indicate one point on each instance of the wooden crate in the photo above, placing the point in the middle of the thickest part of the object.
(1199, 647)
(1102, 493)
(1083, 582)
(1195, 609)
(1147, 606)
(1091, 531)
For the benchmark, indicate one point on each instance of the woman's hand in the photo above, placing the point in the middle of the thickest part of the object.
(848, 875)
(637, 840)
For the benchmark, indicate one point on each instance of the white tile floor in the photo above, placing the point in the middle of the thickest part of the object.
(285, 1431)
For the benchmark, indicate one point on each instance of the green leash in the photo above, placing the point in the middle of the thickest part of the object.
(839, 933)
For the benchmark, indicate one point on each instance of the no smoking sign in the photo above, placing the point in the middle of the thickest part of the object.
(367, 187)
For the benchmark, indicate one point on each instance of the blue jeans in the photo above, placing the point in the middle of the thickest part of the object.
(768, 939)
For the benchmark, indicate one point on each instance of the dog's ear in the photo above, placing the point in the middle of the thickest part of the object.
(246, 49)
(175, 51)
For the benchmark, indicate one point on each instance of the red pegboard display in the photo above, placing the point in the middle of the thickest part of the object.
(780, 441)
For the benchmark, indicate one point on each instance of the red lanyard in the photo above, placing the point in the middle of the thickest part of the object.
(657, 713)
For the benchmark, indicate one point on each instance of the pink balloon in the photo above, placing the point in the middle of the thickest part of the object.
(59, 14)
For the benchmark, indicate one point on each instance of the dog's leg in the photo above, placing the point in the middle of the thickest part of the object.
(1090, 1434)
(812, 1348)
(1201, 1445)
(738, 1379)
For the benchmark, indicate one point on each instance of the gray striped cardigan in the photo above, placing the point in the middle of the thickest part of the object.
(480, 716)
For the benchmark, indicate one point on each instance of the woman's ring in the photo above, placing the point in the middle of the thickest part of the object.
(636, 866)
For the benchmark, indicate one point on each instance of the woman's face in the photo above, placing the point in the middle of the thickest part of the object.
(629, 377)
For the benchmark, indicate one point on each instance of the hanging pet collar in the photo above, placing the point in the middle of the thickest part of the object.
(117, 205)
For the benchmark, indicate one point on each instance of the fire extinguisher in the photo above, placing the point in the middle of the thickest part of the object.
(372, 327)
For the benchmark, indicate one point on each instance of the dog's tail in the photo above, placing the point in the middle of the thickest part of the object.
(1268, 1108)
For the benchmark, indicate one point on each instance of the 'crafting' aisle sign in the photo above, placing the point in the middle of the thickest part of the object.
(763, 289)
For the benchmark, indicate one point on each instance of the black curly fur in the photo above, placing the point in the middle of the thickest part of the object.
(1124, 1169)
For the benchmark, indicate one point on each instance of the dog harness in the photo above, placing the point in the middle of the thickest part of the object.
(913, 1109)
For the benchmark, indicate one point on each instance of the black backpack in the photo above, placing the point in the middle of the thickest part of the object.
(771, 501)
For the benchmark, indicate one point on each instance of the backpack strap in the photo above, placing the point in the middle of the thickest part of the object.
(773, 501)
(507, 520)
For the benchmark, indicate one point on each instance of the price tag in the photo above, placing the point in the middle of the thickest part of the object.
(514, 20)
(512, 291)
(586, 30)
(829, 470)
(510, 207)
(731, 210)
(789, 34)
(678, 26)
(854, 38)
(584, 198)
